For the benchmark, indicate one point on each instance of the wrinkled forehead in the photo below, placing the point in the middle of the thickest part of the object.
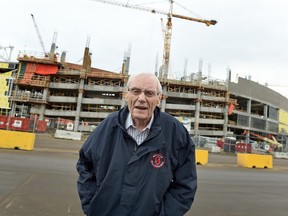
(143, 81)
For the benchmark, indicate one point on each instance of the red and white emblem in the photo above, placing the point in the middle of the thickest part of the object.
(157, 160)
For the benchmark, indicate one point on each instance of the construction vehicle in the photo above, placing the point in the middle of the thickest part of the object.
(166, 32)
(273, 143)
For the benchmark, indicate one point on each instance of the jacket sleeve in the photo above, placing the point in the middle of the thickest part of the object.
(86, 182)
(180, 195)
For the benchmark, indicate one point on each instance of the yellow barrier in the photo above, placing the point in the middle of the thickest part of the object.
(201, 156)
(255, 160)
(17, 140)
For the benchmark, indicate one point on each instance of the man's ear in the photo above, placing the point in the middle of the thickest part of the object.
(159, 100)
(125, 96)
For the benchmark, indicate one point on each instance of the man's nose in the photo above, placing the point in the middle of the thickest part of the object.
(142, 96)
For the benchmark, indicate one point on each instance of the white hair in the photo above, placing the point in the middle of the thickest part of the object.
(131, 77)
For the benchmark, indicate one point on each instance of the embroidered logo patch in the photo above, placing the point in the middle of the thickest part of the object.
(157, 160)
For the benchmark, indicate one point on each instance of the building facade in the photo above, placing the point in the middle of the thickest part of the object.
(78, 98)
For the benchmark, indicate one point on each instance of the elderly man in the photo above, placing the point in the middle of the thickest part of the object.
(139, 161)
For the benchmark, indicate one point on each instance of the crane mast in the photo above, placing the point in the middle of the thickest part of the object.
(38, 34)
(167, 32)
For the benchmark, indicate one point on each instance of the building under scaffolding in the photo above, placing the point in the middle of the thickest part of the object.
(83, 96)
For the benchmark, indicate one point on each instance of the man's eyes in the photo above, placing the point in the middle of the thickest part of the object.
(137, 91)
(149, 93)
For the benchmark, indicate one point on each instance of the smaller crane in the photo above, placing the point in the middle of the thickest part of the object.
(38, 34)
(5, 56)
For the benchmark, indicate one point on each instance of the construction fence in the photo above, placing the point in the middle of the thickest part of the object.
(34, 124)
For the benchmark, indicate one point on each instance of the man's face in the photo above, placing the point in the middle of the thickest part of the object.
(142, 97)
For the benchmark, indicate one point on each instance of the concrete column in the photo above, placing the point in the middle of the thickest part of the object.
(225, 120)
(125, 72)
(163, 101)
(13, 105)
(226, 117)
(265, 111)
(197, 113)
(43, 106)
(13, 108)
(265, 114)
(123, 102)
(249, 112)
(79, 104)
(248, 106)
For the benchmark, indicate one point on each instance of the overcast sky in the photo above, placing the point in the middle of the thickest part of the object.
(250, 38)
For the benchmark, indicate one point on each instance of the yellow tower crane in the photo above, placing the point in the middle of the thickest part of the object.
(167, 32)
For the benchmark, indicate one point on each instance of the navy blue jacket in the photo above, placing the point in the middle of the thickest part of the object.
(118, 178)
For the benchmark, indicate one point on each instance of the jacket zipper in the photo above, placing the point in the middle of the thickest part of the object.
(136, 145)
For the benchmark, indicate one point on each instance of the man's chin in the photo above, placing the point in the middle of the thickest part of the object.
(141, 115)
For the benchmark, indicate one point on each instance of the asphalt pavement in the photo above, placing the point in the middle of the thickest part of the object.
(42, 182)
